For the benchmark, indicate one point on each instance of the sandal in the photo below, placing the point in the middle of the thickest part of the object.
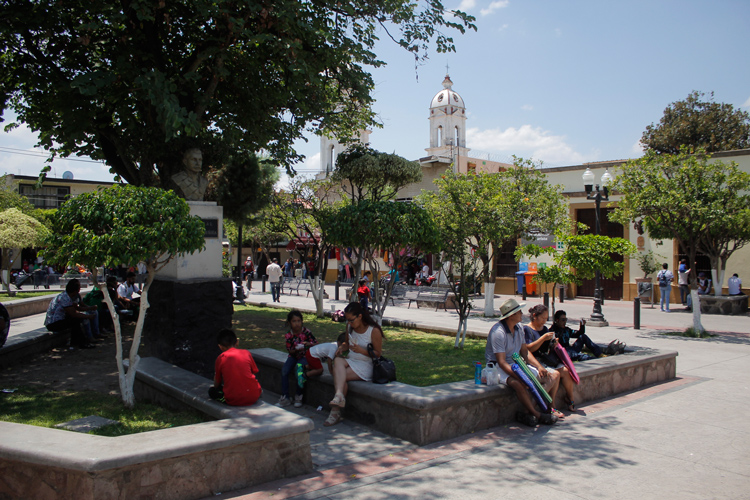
(621, 348)
(557, 413)
(547, 418)
(526, 419)
(611, 349)
(569, 403)
(338, 400)
(333, 418)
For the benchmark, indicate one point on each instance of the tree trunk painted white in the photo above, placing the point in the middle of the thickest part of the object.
(696, 299)
(461, 333)
(489, 299)
(317, 287)
(127, 379)
(717, 275)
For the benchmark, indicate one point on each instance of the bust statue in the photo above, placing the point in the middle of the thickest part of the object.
(189, 183)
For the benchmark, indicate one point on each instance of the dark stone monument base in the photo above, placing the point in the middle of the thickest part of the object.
(183, 319)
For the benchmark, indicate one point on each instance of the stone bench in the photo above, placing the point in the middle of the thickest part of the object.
(249, 445)
(725, 304)
(424, 415)
(19, 347)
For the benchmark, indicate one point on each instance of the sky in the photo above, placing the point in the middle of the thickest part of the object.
(560, 82)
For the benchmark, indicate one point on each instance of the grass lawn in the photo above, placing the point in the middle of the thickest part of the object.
(26, 295)
(45, 409)
(421, 358)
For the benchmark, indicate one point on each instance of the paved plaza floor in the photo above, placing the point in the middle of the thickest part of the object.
(684, 439)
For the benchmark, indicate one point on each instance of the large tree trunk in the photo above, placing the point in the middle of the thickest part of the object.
(489, 298)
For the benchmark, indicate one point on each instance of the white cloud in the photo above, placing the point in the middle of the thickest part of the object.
(493, 6)
(527, 107)
(526, 141)
(637, 148)
(747, 103)
(558, 32)
(466, 5)
(502, 28)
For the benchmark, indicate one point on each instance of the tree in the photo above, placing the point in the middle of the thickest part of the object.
(698, 123)
(400, 229)
(702, 204)
(243, 186)
(17, 230)
(303, 211)
(498, 208)
(125, 225)
(463, 268)
(134, 83)
(369, 175)
(581, 257)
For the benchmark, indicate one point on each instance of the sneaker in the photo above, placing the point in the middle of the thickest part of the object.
(284, 401)
(298, 401)
(301, 379)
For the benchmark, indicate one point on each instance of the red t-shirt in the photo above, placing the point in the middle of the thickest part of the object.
(236, 369)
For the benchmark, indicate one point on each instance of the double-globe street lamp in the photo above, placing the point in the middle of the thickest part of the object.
(597, 318)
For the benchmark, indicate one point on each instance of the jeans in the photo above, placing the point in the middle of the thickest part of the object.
(584, 341)
(91, 326)
(289, 368)
(275, 288)
(684, 293)
(666, 291)
(75, 325)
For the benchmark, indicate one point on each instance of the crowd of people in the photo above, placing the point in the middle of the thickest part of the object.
(88, 317)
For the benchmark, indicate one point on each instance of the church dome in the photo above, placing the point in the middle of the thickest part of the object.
(447, 97)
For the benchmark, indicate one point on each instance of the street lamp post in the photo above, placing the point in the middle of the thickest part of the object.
(597, 318)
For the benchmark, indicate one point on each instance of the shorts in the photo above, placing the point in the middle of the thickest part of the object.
(504, 376)
(313, 363)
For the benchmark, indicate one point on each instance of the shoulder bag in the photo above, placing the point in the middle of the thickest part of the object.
(383, 369)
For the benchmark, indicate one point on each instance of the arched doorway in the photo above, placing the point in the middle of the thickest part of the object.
(612, 287)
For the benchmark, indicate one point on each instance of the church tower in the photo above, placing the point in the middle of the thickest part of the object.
(330, 149)
(447, 124)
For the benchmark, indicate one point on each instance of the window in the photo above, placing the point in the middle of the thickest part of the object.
(45, 197)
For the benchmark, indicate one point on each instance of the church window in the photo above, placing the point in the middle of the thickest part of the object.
(456, 142)
(439, 136)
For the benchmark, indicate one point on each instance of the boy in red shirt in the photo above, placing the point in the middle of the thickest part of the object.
(234, 383)
(363, 292)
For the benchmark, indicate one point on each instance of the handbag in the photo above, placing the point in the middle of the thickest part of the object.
(383, 369)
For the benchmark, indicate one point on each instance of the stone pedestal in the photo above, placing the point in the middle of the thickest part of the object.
(205, 264)
(190, 302)
(183, 320)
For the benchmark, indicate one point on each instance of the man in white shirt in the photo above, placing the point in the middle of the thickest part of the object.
(126, 290)
(274, 278)
(735, 285)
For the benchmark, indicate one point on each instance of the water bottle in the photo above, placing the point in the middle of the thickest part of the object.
(477, 373)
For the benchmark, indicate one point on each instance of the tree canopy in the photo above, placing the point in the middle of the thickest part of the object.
(367, 174)
(699, 123)
(135, 83)
(701, 203)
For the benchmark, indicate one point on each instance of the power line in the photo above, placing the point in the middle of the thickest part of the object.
(23, 152)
